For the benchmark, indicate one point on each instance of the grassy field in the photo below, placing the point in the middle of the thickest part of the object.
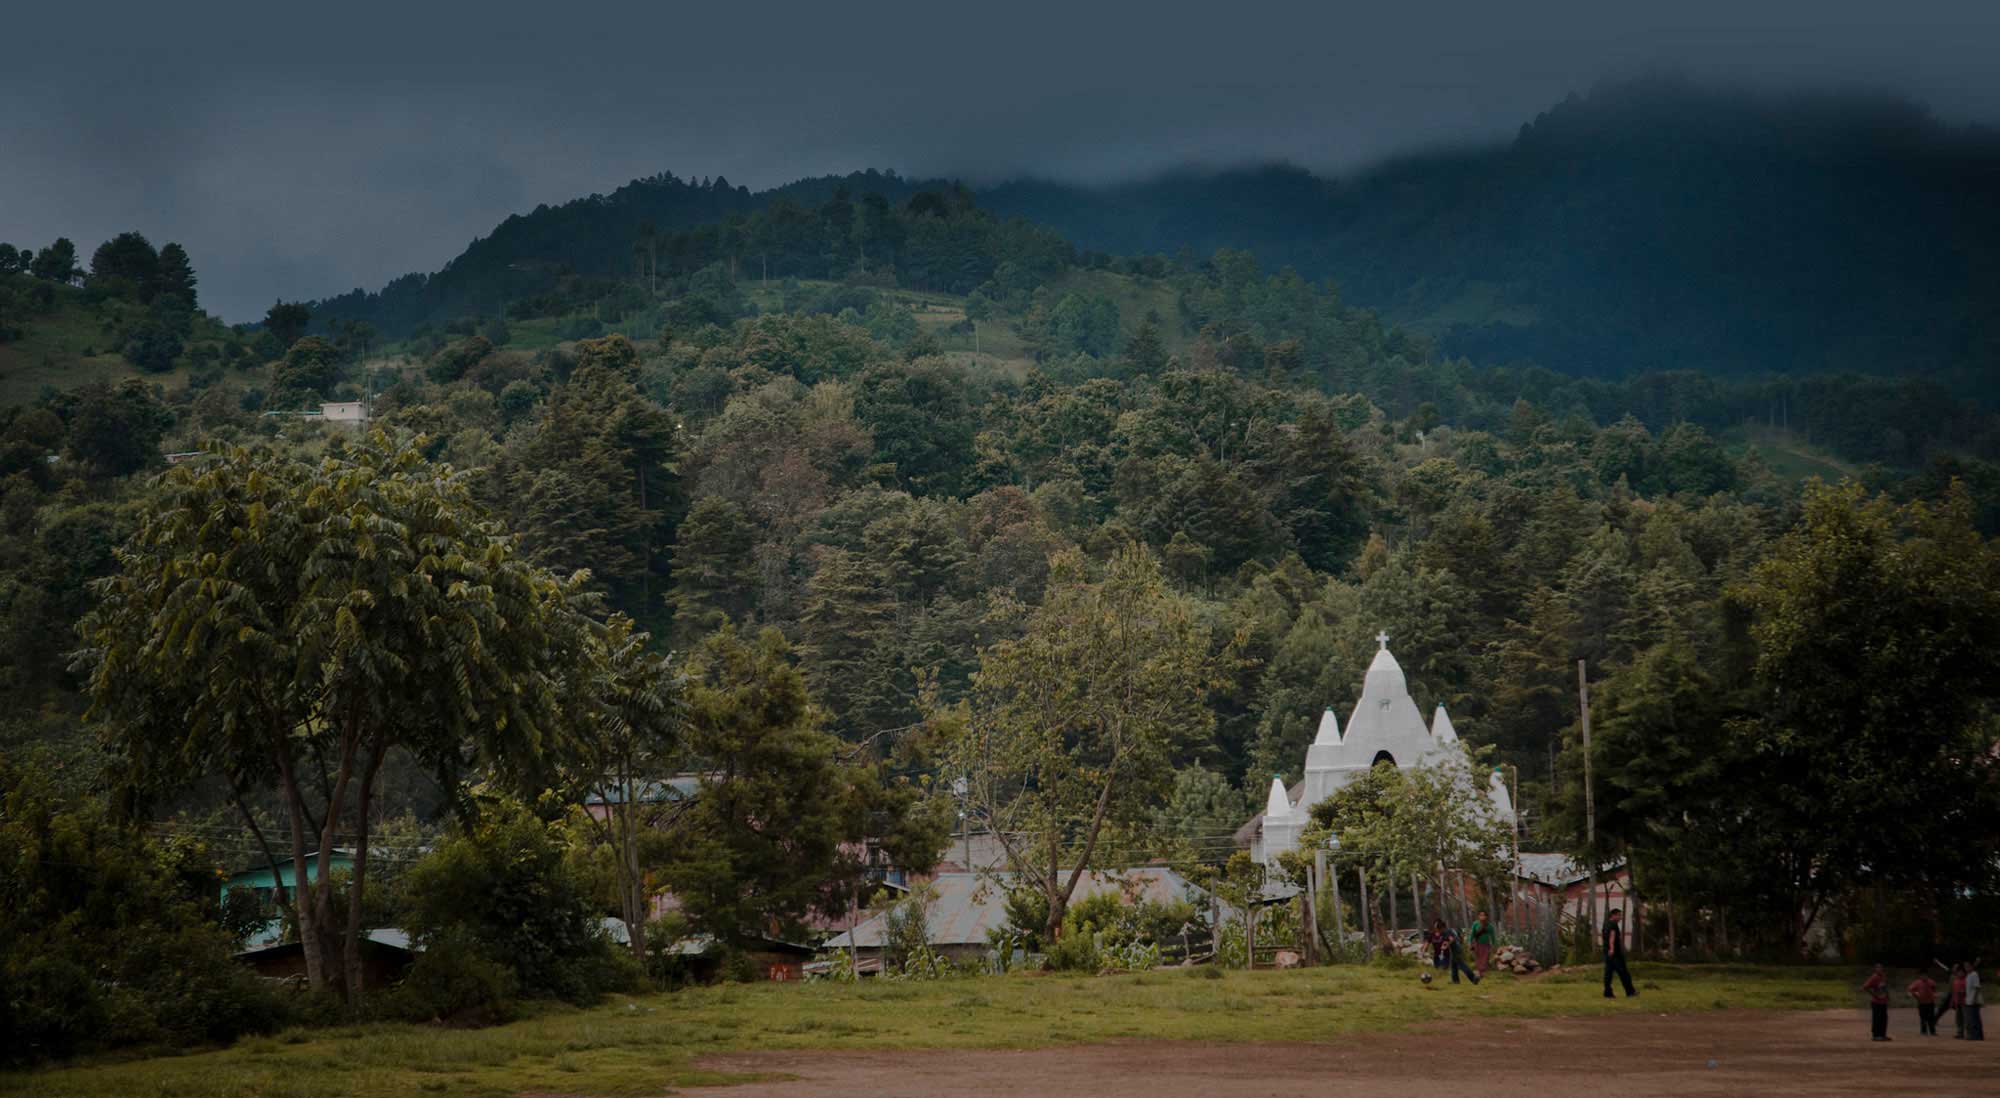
(646, 1045)
(1787, 454)
(72, 346)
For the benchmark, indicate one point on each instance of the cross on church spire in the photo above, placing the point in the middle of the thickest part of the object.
(1383, 640)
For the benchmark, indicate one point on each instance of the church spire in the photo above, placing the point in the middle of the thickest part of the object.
(1441, 729)
(1329, 730)
(1279, 806)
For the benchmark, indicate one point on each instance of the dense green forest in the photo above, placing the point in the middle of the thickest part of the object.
(1649, 225)
(845, 458)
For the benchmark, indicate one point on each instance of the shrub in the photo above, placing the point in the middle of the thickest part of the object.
(501, 888)
(107, 936)
(452, 981)
(1102, 931)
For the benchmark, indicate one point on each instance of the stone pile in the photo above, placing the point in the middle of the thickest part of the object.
(1515, 960)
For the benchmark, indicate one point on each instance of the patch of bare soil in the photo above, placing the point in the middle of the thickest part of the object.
(1774, 1053)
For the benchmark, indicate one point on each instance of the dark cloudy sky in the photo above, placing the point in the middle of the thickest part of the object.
(300, 150)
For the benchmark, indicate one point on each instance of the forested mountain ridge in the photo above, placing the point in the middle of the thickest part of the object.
(1651, 225)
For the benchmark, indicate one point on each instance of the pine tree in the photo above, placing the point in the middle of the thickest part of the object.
(847, 630)
(176, 275)
(1146, 352)
(715, 576)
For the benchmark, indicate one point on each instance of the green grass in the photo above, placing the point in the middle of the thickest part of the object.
(70, 346)
(1787, 455)
(645, 1045)
(77, 343)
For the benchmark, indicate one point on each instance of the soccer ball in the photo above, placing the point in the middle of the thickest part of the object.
(1426, 977)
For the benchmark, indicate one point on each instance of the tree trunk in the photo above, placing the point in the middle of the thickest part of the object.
(635, 898)
(351, 948)
(1059, 903)
(309, 943)
(321, 890)
(1308, 929)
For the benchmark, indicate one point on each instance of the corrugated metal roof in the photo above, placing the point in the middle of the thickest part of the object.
(1559, 869)
(967, 905)
(677, 788)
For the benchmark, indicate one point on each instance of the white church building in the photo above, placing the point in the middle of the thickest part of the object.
(1384, 726)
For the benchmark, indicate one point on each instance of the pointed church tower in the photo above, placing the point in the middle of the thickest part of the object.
(1323, 761)
(1281, 824)
(1278, 806)
(1496, 791)
(1441, 729)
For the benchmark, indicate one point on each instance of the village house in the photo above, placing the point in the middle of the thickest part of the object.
(263, 880)
(964, 911)
(347, 413)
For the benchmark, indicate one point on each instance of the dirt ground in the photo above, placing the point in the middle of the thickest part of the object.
(1753, 1053)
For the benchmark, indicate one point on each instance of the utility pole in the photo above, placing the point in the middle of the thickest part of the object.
(1589, 795)
(960, 788)
(1514, 885)
(1367, 924)
(1309, 926)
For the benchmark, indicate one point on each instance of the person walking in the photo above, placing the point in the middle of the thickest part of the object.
(1614, 954)
(1481, 934)
(1958, 1001)
(1924, 990)
(1877, 987)
(1975, 1029)
(1454, 951)
(1440, 947)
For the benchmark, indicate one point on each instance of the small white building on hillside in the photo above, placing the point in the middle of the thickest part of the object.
(347, 413)
(1385, 726)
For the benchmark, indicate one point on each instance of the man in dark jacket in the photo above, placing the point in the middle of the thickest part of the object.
(1614, 954)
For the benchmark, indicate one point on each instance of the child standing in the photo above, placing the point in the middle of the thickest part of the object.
(1481, 933)
(1924, 990)
(1877, 988)
(1958, 1001)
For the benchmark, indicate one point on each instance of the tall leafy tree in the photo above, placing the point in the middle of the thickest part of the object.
(787, 824)
(632, 718)
(287, 322)
(114, 430)
(288, 622)
(1073, 726)
(1433, 822)
(57, 262)
(127, 263)
(1878, 652)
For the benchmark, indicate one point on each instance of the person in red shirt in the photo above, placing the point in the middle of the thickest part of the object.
(1958, 999)
(1924, 990)
(1877, 988)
